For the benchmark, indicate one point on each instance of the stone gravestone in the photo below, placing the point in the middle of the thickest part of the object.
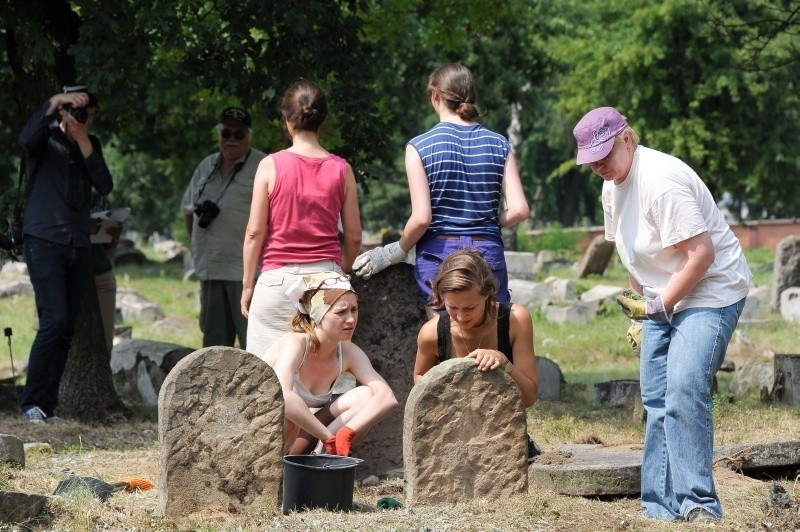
(389, 318)
(786, 269)
(790, 304)
(596, 258)
(788, 367)
(464, 436)
(550, 379)
(220, 429)
(12, 451)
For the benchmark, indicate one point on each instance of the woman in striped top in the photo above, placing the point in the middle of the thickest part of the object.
(458, 174)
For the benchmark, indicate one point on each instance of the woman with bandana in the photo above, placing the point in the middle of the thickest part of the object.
(308, 360)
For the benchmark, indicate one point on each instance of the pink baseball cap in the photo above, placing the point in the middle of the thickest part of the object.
(595, 133)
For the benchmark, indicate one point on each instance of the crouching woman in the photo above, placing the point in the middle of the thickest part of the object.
(308, 360)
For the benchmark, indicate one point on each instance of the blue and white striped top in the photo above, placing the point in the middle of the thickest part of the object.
(465, 166)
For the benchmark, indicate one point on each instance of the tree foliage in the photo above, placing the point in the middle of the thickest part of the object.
(713, 82)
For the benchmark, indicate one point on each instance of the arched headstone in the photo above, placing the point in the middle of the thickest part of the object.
(596, 258)
(220, 428)
(785, 269)
(550, 379)
(464, 436)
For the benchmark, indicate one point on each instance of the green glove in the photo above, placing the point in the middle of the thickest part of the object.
(388, 503)
(635, 336)
(637, 308)
(632, 304)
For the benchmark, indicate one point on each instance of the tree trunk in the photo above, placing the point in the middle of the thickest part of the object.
(87, 391)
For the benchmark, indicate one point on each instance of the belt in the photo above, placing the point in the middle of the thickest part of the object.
(456, 237)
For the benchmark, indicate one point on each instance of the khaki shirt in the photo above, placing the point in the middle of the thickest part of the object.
(217, 249)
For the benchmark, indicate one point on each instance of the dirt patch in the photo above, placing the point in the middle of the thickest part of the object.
(131, 449)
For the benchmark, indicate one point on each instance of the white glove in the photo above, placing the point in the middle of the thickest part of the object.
(378, 259)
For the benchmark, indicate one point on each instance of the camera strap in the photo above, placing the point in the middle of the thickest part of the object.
(22, 196)
(236, 167)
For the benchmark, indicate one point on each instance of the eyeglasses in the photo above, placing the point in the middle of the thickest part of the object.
(330, 281)
(239, 134)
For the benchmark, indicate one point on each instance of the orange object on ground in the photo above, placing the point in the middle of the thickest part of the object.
(134, 483)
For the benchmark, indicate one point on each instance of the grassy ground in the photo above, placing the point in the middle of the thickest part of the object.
(586, 354)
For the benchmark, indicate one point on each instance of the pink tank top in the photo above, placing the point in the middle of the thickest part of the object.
(304, 210)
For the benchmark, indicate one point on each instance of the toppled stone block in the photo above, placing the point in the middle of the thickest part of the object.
(529, 294)
(571, 313)
(12, 450)
(520, 264)
(601, 293)
(135, 307)
(142, 365)
(18, 507)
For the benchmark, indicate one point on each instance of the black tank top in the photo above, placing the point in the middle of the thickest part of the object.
(444, 340)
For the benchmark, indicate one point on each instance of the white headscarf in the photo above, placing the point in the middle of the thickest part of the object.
(328, 287)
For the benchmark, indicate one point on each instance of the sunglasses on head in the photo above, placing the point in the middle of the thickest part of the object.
(239, 134)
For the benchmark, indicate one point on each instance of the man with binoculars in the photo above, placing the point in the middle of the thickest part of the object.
(216, 207)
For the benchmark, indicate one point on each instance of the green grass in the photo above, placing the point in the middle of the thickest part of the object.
(587, 354)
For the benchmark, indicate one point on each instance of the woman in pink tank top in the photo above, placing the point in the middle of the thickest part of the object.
(301, 195)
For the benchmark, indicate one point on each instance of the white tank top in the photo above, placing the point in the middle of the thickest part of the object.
(311, 400)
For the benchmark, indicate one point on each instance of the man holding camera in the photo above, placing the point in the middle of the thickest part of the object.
(63, 163)
(216, 207)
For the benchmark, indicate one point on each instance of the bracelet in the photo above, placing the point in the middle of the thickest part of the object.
(509, 367)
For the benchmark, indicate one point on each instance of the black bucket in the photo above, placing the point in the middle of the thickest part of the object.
(318, 481)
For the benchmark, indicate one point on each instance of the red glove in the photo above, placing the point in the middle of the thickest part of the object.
(330, 445)
(343, 439)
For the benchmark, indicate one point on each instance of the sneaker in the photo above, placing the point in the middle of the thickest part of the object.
(35, 415)
(533, 450)
(698, 514)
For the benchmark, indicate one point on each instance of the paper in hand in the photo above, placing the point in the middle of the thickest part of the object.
(106, 220)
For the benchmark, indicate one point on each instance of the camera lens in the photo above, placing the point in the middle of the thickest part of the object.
(81, 114)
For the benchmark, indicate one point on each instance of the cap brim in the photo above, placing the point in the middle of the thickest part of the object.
(234, 122)
(595, 153)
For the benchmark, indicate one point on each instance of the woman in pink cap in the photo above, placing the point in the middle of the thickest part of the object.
(688, 266)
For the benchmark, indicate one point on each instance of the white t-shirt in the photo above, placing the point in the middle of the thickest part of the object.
(663, 202)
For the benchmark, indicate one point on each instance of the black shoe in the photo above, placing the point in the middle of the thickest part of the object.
(533, 450)
(698, 514)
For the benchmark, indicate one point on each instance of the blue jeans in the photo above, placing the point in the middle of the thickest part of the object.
(677, 367)
(59, 275)
(432, 252)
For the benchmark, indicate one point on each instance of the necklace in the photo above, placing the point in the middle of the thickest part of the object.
(462, 338)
